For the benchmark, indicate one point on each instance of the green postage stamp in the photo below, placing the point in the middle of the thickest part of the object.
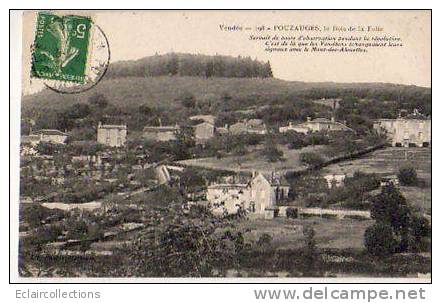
(61, 47)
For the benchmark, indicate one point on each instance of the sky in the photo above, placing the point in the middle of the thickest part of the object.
(137, 34)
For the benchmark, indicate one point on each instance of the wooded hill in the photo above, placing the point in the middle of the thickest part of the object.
(176, 64)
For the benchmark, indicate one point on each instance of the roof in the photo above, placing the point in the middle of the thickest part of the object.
(49, 132)
(161, 128)
(204, 123)
(254, 122)
(113, 126)
(322, 120)
(206, 118)
(29, 139)
(242, 181)
(327, 121)
(417, 116)
(222, 130)
(227, 185)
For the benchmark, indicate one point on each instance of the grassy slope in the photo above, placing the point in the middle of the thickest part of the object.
(162, 91)
(255, 161)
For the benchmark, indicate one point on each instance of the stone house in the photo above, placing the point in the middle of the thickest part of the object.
(251, 126)
(203, 131)
(319, 124)
(48, 135)
(112, 135)
(257, 195)
(412, 130)
(335, 180)
(203, 118)
(160, 133)
(292, 127)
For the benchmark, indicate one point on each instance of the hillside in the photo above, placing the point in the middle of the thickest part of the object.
(165, 90)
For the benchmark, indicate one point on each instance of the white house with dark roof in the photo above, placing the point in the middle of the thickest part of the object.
(259, 194)
(114, 135)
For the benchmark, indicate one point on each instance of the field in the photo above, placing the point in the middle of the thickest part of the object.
(330, 233)
(388, 162)
(255, 161)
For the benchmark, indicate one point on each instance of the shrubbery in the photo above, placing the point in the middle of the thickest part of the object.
(311, 159)
(380, 240)
(408, 176)
(291, 213)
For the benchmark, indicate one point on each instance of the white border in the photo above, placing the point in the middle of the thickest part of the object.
(217, 293)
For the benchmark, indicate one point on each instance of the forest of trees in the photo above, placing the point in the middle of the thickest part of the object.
(191, 65)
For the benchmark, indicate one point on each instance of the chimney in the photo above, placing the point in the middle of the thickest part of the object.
(308, 119)
(99, 124)
(332, 119)
(160, 122)
(344, 122)
(290, 123)
(226, 126)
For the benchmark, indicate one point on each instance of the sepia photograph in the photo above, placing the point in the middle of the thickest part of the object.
(227, 144)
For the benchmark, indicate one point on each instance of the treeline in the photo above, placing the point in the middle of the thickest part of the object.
(175, 64)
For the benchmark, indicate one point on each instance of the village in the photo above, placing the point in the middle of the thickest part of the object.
(118, 179)
(208, 166)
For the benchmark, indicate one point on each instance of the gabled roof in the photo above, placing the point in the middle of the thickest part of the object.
(416, 116)
(206, 118)
(112, 126)
(204, 123)
(30, 139)
(326, 121)
(161, 128)
(49, 132)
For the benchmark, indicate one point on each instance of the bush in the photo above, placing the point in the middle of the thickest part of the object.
(264, 240)
(311, 159)
(292, 213)
(419, 230)
(271, 152)
(380, 240)
(408, 176)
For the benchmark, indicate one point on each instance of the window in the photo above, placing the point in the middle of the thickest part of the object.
(108, 136)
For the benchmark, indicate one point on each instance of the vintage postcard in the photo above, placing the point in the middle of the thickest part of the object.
(276, 145)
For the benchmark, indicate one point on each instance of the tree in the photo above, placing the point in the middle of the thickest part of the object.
(380, 239)
(191, 179)
(271, 152)
(408, 176)
(264, 240)
(310, 249)
(311, 159)
(78, 111)
(145, 109)
(183, 244)
(98, 100)
(390, 208)
(188, 100)
(419, 229)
